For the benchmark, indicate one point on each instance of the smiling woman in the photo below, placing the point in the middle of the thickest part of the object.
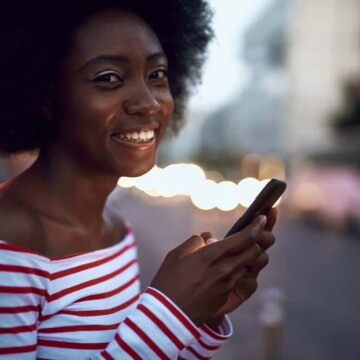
(113, 87)
(94, 85)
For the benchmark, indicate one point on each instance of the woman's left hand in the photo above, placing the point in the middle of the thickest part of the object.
(247, 285)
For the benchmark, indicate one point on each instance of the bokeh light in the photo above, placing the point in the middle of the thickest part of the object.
(191, 180)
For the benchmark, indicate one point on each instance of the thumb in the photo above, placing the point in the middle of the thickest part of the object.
(189, 246)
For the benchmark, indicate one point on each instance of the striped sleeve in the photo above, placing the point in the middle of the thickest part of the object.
(209, 342)
(158, 329)
(35, 322)
(22, 294)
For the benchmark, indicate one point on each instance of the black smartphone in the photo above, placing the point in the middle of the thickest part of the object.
(261, 205)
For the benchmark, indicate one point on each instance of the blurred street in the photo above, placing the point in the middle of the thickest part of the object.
(316, 269)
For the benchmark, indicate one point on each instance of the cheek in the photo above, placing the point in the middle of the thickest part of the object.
(88, 112)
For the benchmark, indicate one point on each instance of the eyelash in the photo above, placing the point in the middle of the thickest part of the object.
(102, 77)
(108, 77)
(164, 71)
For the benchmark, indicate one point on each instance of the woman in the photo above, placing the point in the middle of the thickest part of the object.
(94, 86)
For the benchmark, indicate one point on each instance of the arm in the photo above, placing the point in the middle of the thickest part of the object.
(158, 326)
(209, 342)
(157, 329)
(194, 281)
(22, 292)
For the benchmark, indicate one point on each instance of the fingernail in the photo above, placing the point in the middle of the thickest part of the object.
(262, 220)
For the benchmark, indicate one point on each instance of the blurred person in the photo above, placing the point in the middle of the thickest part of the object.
(94, 85)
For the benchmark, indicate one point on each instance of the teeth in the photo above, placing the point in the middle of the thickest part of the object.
(143, 135)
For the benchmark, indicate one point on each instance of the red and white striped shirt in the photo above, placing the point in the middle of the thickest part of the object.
(89, 306)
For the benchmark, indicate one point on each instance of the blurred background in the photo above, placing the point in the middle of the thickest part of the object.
(280, 98)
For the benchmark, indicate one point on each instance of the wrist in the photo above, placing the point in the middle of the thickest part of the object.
(215, 322)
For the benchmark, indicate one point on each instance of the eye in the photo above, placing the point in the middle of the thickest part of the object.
(108, 77)
(159, 74)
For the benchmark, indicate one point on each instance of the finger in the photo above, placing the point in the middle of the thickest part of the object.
(266, 239)
(246, 287)
(239, 241)
(208, 237)
(189, 246)
(230, 267)
(271, 219)
(237, 276)
(257, 265)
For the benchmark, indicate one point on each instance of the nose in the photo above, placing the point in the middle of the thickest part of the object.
(141, 101)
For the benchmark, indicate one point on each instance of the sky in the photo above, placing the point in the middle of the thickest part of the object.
(225, 73)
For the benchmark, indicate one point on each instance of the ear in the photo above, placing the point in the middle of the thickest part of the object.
(47, 109)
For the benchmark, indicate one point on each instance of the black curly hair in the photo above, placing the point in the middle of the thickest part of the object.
(35, 37)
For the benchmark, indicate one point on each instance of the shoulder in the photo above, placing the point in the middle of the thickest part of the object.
(19, 225)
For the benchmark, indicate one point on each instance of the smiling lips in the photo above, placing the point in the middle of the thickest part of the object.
(143, 136)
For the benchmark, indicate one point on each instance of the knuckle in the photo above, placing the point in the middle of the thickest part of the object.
(249, 286)
(171, 257)
(273, 238)
(206, 235)
(265, 259)
(252, 285)
(249, 238)
(253, 234)
(224, 270)
(172, 253)
(195, 237)
(257, 250)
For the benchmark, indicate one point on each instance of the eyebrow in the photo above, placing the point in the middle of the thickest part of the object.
(119, 58)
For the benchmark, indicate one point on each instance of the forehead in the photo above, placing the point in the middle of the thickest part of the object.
(114, 31)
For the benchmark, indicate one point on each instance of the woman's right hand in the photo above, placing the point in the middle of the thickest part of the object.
(199, 277)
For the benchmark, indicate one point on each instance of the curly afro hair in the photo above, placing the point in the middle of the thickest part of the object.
(35, 37)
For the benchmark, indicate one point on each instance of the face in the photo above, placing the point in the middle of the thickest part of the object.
(115, 101)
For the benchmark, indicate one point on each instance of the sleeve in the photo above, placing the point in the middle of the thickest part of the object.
(156, 329)
(209, 342)
(160, 330)
(22, 292)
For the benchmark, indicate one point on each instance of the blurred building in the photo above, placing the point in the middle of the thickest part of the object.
(324, 52)
(253, 120)
(324, 68)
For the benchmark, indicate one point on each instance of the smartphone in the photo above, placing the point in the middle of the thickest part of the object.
(261, 205)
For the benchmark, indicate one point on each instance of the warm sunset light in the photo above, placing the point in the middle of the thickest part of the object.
(190, 180)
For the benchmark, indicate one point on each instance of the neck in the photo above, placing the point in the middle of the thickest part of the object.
(59, 188)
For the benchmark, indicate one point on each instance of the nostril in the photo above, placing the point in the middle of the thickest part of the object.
(142, 106)
(155, 108)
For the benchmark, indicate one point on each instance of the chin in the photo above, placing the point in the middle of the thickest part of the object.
(132, 171)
